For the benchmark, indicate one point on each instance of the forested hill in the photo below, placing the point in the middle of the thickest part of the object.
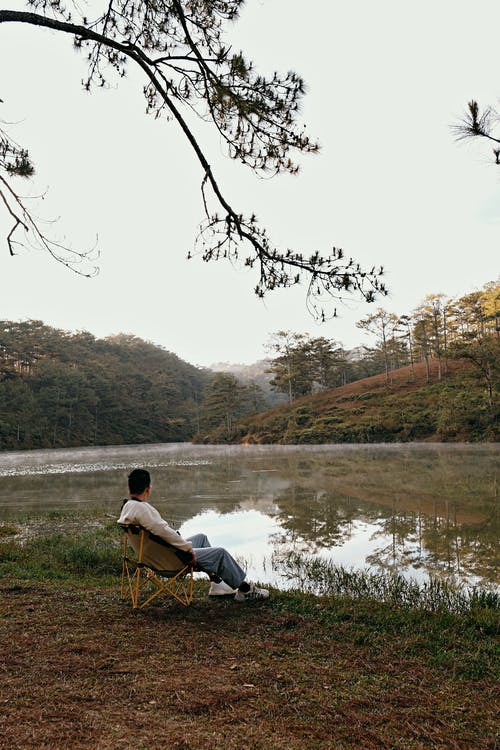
(70, 389)
(413, 403)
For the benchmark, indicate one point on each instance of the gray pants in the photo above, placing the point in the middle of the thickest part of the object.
(216, 561)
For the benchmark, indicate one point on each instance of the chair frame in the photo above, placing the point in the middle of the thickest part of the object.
(137, 576)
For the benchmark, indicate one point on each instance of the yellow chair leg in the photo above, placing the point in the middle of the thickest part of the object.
(135, 576)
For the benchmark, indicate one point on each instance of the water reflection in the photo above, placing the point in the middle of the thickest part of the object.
(417, 509)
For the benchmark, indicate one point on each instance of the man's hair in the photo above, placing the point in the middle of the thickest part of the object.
(138, 481)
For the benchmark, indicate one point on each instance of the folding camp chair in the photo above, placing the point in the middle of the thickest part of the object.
(156, 568)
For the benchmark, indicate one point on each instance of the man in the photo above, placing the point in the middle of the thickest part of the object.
(226, 576)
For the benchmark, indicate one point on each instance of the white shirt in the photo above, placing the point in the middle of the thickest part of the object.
(143, 514)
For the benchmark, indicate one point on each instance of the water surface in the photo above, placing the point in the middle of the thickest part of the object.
(417, 509)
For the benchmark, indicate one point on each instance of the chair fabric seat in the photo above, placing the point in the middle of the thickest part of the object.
(157, 568)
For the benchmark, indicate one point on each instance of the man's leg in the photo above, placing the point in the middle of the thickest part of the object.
(198, 540)
(217, 561)
(221, 566)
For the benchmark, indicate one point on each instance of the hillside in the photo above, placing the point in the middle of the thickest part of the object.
(60, 389)
(373, 410)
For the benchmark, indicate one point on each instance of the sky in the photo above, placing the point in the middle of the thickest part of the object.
(391, 186)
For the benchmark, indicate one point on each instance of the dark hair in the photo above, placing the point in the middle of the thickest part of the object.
(138, 481)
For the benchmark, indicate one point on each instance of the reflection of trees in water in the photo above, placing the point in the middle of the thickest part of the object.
(437, 505)
(438, 542)
(440, 514)
(405, 541)
(316, 518)
(405, 547)
(381, 474)
(466, 550)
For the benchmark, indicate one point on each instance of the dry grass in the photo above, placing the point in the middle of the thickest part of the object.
(82, 670)
(403, 408)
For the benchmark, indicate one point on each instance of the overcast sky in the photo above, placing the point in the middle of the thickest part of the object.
(385, 81)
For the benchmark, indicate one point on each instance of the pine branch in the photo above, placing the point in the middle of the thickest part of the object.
(254, 115)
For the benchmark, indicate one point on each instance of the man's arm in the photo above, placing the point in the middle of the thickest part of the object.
(147, 516)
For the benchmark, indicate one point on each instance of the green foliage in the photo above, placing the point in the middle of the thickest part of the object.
(303, 364)
(87, 552)
(384, 325)
(465, 414)
(437, 398)
(226, 400)
(484, 354)
(61, 389)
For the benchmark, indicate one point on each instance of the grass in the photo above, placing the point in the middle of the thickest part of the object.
(8, 530)
(358, 665)
(63, 547)
(319, 576)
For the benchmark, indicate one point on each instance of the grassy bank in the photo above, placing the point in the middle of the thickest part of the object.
(340, 670)
(377, 410)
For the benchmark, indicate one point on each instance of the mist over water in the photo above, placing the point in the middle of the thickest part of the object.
(417, 509)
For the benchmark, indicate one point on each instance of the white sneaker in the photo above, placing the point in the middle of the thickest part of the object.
(220, 589)
(253, 593)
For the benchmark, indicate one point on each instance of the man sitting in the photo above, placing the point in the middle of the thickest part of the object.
(226, 576)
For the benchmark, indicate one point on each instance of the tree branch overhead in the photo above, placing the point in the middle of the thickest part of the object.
(191, 71)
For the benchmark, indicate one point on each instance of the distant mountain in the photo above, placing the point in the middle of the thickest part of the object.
(242, 370)
(256, 373)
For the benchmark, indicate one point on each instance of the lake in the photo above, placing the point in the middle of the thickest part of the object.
(417, 509)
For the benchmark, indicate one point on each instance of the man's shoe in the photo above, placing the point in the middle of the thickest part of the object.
(253, 593)
(220, 589)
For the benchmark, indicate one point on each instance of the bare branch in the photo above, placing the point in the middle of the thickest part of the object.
(23, 218)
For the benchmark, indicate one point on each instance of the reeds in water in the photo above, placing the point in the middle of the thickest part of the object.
(322, 577)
